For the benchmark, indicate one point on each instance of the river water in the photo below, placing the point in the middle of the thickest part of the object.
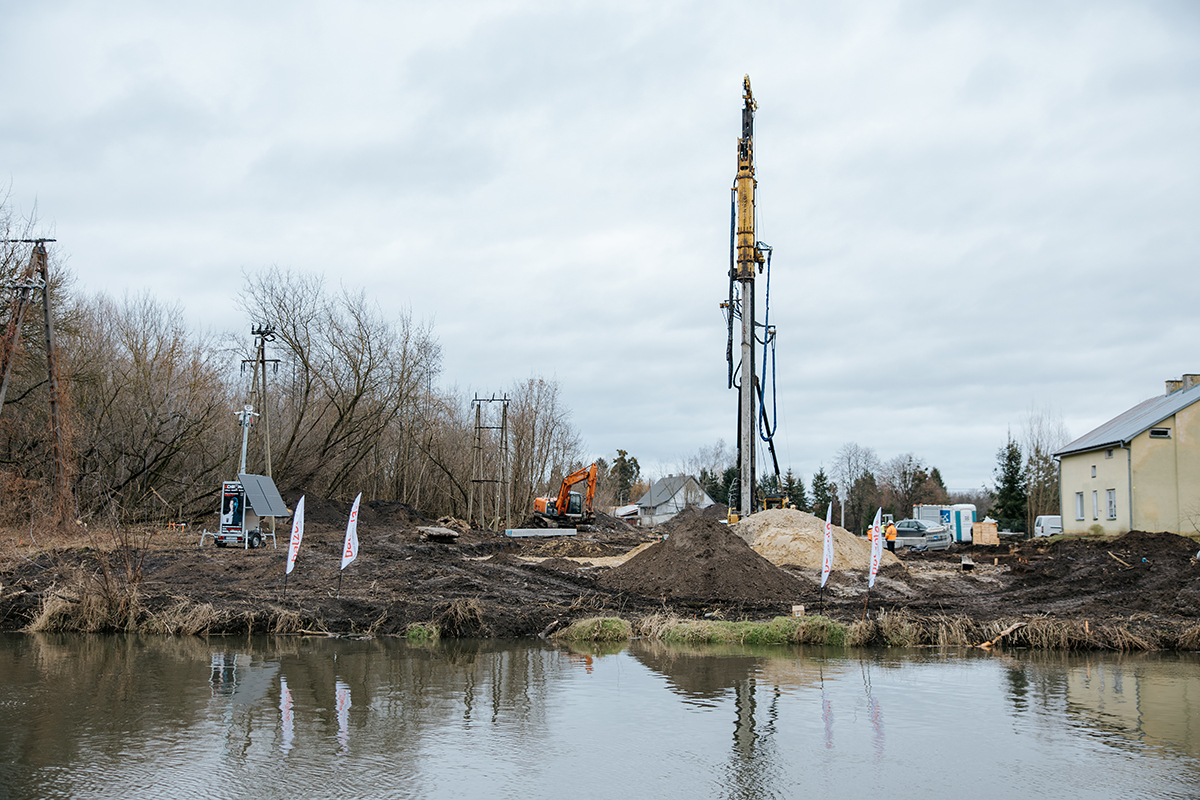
(284, 717)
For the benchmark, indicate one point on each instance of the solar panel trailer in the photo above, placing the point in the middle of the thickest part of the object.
(244, 503)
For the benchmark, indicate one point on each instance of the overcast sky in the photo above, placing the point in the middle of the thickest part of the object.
(975, 209)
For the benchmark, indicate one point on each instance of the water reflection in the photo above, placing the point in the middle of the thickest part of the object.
(264, 717)
(1131, 700)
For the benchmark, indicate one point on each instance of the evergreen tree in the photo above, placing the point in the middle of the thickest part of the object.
(823, 493)
(714, 484)
(937, 488)
(1011, 501)
(733, 493)
(793, 489)
(862, 503)
(625, 472)
(768, 486)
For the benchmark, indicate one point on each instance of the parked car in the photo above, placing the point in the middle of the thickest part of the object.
(1047, 526)
(921, 534)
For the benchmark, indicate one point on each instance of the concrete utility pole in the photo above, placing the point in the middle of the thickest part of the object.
(748, 260)
(245, 419)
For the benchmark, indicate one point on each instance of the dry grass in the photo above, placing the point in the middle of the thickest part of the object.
(184, 618)
(461, 617)
(284, 620)
(1189, 639)
(780, 630)
(597, 629)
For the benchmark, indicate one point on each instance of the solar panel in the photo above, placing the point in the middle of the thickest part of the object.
(263, 497)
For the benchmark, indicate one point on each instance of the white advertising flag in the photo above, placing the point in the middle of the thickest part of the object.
(876, 547)
(297, 535)
(350, 548)
(827, 557)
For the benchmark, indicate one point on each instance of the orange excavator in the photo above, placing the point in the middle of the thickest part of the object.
(570, 508)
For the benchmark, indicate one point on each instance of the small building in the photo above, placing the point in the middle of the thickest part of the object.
(668, 496)
(1138, 471)
(629, 513)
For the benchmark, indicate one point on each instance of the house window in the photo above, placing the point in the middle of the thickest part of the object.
(1079, 505)
(1095, 504)
(1093, 470)
(1108, 453)
(1160, 433)
(1112, 503)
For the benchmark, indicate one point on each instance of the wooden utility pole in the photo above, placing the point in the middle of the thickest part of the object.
(38, 272)
(478, 466)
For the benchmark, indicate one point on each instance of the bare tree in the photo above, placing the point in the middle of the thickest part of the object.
(1042, 433)
(350, 375)
(908, 481)
(850, 464)
(543, 441)
(155, 431)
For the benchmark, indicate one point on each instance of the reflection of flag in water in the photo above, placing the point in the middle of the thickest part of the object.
(876, 724)
(350, 548)
(343, 715)
(285, 713)
(827, 717)
(827, 556)
(876, 547)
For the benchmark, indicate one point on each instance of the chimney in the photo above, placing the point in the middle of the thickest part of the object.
(1174, 386)
(1190, 380)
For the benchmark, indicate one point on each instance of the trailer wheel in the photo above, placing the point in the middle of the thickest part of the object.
(256, 539)
(219, 543)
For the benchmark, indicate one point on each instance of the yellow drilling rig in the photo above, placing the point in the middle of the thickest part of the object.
(747, 259)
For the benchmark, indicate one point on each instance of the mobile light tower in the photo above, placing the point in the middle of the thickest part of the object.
(746, 258)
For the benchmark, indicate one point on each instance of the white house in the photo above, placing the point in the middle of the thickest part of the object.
(668, 496)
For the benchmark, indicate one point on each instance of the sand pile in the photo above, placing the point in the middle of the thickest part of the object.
(702, 559)
(787, 536)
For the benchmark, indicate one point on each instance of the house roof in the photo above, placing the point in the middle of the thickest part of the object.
(1142, 417)
(663, 490)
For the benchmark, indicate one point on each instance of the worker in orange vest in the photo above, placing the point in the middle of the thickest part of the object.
(890, 534)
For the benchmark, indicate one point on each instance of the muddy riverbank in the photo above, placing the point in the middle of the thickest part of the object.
(1139, 591)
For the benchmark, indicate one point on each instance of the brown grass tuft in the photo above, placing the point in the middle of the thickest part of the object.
(461, 617)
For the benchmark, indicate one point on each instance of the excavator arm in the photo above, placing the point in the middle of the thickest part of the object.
(578, 476)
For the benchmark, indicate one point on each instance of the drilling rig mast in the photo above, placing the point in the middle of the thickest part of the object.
(746, 258)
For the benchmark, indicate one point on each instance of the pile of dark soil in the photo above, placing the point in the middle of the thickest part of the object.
(569, 547)
(560, 564)
(703, 560)
(1138, 572)
(610, 523)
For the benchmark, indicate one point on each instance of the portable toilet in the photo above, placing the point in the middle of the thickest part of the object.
(960, 518)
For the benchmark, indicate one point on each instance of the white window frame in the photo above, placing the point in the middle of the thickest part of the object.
(1079, 505)
(1093, 470)
(1160, 433)
(1112, 503)
(1095, 504)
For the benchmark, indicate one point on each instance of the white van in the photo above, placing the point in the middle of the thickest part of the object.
(1047, 526)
